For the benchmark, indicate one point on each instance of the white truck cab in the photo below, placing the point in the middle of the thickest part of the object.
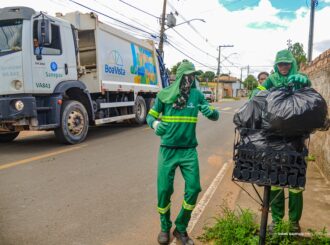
(71, 71)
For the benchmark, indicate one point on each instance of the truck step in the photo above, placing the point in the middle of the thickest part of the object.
(44, 108)
(116, 104)
(44, 127)
(113, 119)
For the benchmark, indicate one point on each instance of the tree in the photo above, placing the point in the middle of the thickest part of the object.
(250, 82)
(207, 76)
(298, 52)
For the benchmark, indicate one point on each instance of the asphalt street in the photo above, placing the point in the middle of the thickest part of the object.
(102, 191)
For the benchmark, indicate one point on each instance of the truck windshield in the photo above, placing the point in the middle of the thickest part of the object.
(10, 36)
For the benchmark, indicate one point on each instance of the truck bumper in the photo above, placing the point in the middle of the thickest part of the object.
(8, 112)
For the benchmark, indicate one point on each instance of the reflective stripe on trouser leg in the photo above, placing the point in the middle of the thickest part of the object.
(277, 204)
(190, 171)
(167, 164)
(295, 205)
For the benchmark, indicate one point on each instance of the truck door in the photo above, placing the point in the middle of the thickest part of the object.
(51, 63)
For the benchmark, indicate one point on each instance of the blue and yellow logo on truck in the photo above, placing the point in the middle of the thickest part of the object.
(143, 67)
(116, 65)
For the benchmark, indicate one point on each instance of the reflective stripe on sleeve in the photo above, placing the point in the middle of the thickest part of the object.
(164, 210)
(154, 113)
(187, 206)
(260, 87)
(182, 119)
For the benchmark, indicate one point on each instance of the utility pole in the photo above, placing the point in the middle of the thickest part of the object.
(247, 74)
(240, 86)
(219, 68)
(311, 30)
(162, 30)
(289, 43)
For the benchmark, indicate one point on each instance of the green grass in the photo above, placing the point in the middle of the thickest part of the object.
(232, 227)
(241, 227)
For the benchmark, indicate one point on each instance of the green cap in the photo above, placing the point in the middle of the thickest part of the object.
(284, 56)
(187, 68)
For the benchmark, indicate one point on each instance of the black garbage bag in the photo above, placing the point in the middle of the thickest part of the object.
(250, 114)
(291, 113)
(259, 140)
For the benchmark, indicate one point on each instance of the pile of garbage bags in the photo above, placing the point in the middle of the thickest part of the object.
(273, 127)
(284, 112)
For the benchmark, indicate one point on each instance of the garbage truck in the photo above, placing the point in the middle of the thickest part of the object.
(69, 72)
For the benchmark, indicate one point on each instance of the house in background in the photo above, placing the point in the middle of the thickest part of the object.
(228, 86)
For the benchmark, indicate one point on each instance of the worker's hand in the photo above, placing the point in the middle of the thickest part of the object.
(205, 109)
(160, 127)
(298, 78)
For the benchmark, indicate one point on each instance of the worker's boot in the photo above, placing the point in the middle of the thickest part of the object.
(295, 227)
(183, 238)
(164, 237)
(271, 228)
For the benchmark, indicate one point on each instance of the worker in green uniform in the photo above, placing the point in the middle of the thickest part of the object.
(262, 76)
(173, 117)
(286, 74)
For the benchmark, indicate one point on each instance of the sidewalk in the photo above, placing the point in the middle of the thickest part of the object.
(316, 210)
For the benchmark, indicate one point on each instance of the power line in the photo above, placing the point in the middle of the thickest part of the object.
(192, 27)
(117, 12)
(189, 56)
(137, 28)
(193, 44)
(128, 29)
(141, 10)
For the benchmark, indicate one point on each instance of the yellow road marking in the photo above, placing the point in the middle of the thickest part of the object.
(31, 159)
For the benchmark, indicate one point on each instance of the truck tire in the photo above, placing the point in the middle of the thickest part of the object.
(140, 110)
(74, 123)
(150, 102)
(8, 137)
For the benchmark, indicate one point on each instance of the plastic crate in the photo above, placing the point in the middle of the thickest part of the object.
(268, 166)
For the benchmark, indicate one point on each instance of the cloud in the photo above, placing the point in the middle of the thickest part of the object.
(289, 15)
(237, 5)
(256, 44)
(266, 25)
(322, 46)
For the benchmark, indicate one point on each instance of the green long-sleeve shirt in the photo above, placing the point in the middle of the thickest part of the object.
(181, 131)
(272, 82)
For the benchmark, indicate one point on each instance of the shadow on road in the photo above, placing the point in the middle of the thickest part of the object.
(38, 142)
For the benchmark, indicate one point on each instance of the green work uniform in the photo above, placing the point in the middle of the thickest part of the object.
(178, 149)
(256, 91)
(277, 199)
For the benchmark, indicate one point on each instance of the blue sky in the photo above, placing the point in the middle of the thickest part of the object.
(256, 28)
(286, 8)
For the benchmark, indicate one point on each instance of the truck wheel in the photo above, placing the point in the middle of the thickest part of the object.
(140, 110)
(8, 137)
(74, 123)
(150, 102)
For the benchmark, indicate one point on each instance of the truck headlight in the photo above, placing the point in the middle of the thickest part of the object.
(19, 105)
(17, 84)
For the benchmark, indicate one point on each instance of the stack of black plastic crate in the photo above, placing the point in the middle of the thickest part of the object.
(267, 160)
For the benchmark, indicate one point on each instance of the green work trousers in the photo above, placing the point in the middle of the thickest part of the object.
(168, 160)
(277, 200)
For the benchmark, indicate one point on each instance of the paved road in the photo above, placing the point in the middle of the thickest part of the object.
(100, 192)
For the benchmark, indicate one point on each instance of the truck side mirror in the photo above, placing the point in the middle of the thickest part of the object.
(44, 32)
